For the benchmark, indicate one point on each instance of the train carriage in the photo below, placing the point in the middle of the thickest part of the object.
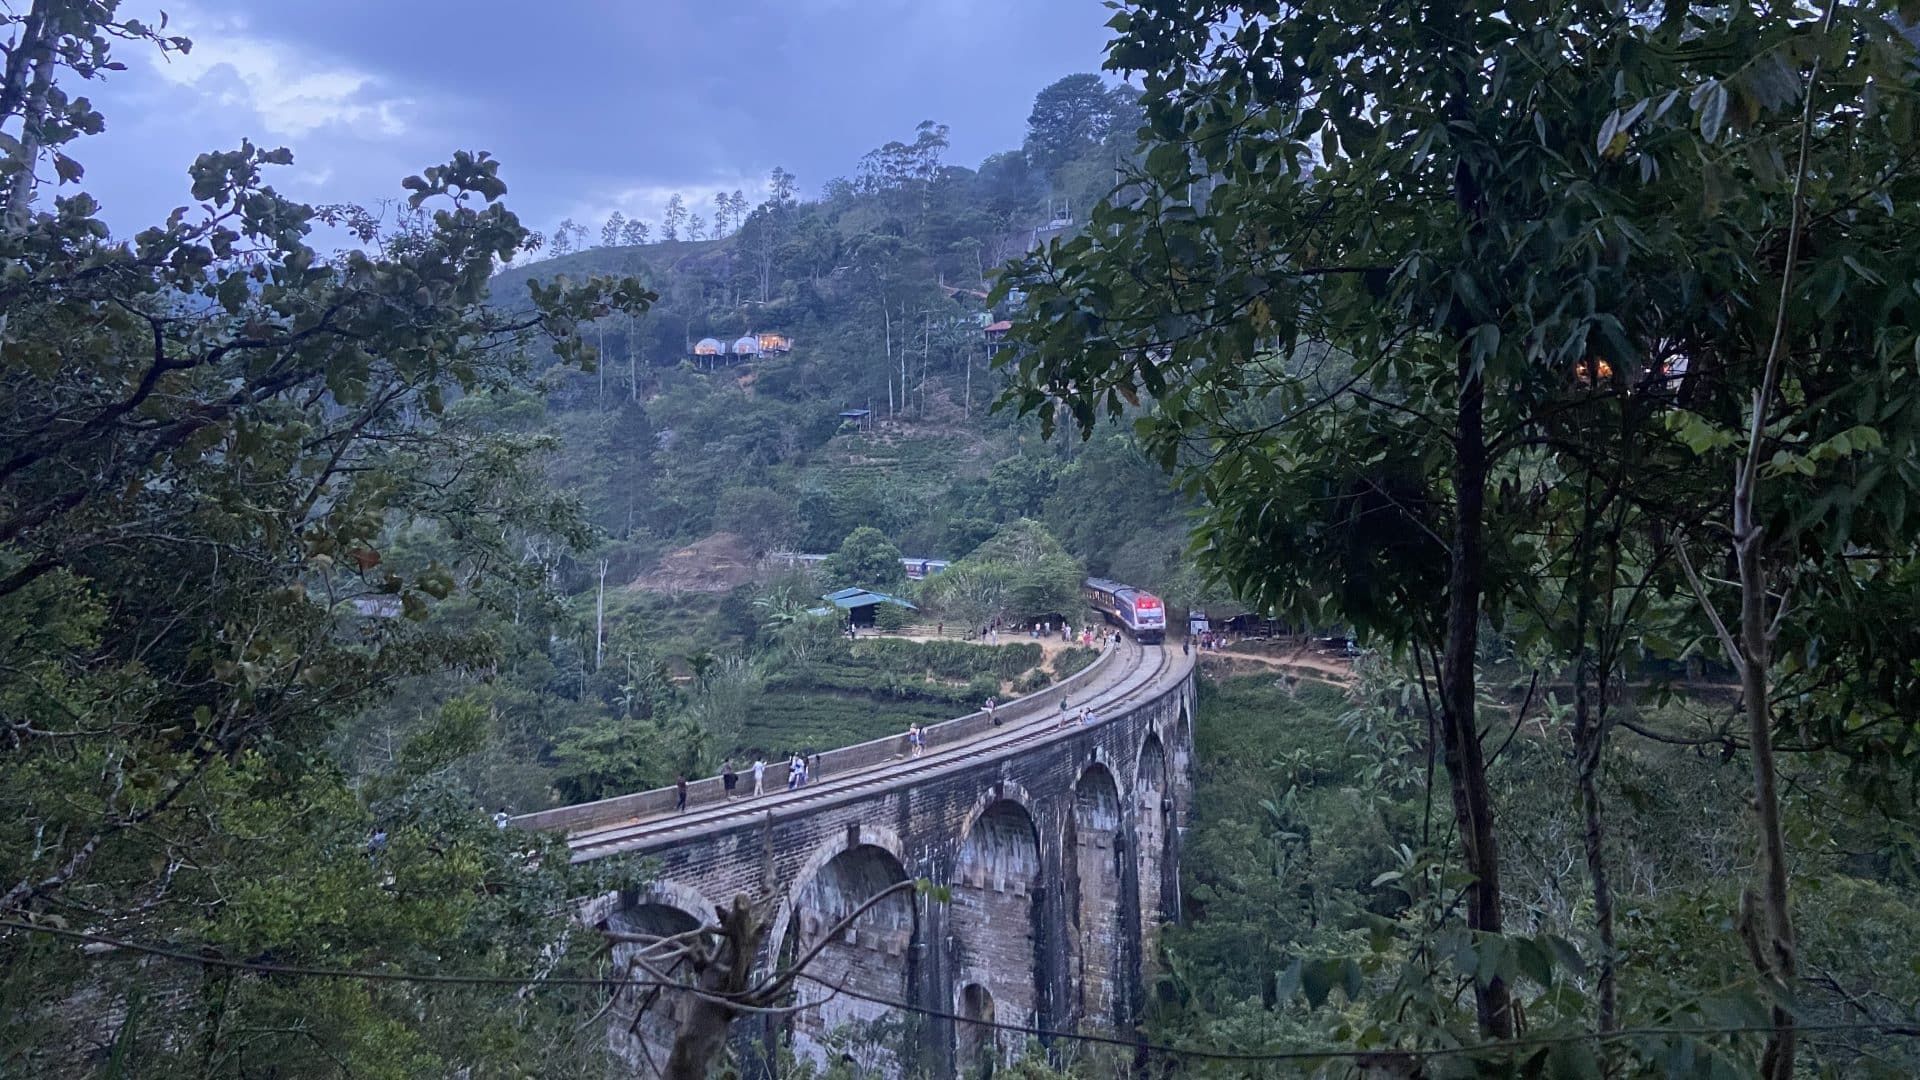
(1140, 612)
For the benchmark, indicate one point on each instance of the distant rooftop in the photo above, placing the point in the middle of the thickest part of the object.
(859, 598)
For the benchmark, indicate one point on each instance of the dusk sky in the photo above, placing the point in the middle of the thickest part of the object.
(592, 105)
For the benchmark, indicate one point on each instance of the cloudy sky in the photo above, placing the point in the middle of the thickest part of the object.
(592, 105)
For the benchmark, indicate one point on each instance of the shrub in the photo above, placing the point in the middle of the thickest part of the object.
(1073, 660)
(890, 618)
(1037, 679)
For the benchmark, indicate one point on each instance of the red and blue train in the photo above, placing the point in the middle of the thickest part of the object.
(1139, 611)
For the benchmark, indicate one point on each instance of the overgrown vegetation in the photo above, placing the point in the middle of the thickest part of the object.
(1556, 349)
(1581, 331)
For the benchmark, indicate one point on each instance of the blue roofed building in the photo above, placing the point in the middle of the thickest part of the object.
(860, 604)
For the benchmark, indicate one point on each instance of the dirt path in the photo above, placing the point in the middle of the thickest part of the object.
(1301, 662)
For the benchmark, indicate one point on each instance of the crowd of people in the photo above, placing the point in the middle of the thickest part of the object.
(800, 768)
(1086, 636)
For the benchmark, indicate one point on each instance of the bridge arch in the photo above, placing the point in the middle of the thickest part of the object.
(823, 853)
(998, 917)
(1000, 791)
(873, 956)
(650, 1017)
(1095, 859)
(977, 1050)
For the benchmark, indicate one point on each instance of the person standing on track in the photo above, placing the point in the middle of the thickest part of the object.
(680, 795)
(728, 778)
(1066, 712)
(759, 776)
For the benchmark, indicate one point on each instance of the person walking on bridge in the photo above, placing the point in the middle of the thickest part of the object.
(759, 776)
(992, 715)
(728, 778)
(680, 795)
(1066, 712)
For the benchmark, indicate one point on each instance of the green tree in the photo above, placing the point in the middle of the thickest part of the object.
(675, 219)
(213, 437)
(782, 187)
(1362, 338)
(562, 242)
(1070, 116)
(866, 559)
(1018, 573)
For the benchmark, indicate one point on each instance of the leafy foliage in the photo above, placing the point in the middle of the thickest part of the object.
(867, 559)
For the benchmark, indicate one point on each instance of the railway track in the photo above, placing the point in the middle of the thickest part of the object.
(1140, 679)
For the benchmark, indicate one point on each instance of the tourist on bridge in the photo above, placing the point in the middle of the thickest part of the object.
(729, 779)
(680, 794)
(915, 742)
(993, 715)
(1066, 712)
(759, 776)
(793, 771)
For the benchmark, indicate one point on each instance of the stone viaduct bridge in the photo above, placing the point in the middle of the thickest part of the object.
(1059, 845)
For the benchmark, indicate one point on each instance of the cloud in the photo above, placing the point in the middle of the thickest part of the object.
(292, 90)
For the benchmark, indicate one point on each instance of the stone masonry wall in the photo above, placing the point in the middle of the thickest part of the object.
(1060, 860)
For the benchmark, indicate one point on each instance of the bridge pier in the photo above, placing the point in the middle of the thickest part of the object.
(935, 1032)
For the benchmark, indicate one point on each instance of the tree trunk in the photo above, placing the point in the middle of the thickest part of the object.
(1775, 933)
(1589, 743)
(969, 405)
(722, 973)
(886, 323)
(29, 76)
(633, 362)
(600, 619)
(1466, 763)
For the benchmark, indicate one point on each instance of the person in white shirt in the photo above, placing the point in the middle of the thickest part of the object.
(759, 776)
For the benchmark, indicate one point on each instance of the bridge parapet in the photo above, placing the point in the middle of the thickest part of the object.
(709, 790)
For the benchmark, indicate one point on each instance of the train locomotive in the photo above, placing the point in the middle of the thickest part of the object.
(1140, 612)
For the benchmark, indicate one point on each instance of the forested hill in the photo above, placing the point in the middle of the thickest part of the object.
(881, 286)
